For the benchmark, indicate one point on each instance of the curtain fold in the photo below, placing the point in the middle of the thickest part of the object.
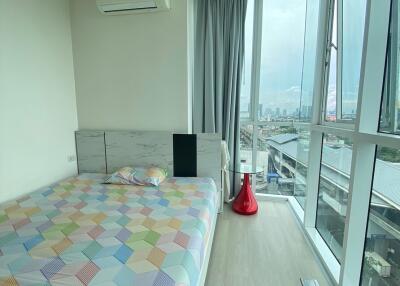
(218, 65)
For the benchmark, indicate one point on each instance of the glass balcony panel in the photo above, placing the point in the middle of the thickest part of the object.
(333, 191)
(282, 161)
(381, 264)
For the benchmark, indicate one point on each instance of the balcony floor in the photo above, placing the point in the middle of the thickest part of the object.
(265, 249)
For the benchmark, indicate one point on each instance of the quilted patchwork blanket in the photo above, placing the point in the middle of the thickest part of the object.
(83, 232)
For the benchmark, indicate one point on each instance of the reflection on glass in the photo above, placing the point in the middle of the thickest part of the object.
(382, 250)
(245, 107)
(333, 191)
(273, 157)
(281, 60)
(246, 144)
(309, 56)
(300, 185)
(341, 101)
(332, 82)
(282, 156)
(390, 110)
(353, 38)
(331, 92)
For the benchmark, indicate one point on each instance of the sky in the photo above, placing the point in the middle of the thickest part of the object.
(282, 51)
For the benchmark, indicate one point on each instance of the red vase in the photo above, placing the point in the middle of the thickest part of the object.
(245, 202)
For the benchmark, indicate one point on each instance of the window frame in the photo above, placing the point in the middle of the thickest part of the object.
(347, 191)
(339, 122)
(255, 86)
(393, 82)
(330, 45)
(382, 197)
(364, 134)
(363, 131)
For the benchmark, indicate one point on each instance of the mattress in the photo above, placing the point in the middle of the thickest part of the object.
(82, 232)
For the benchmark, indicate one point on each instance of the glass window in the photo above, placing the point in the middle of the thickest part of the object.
(353, 39)
(309, 57)
(382, 249)
(331, 92)
(281, 60)
(300, 184)
(245, 98)
(345, 60)
(282, 156)
(333, 191)
(390, 110)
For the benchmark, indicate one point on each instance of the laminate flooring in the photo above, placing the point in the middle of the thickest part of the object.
(266, 249)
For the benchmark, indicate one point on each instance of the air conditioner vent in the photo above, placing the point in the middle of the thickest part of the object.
(116, 7)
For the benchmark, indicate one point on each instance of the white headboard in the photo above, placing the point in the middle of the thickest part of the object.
(101, 151)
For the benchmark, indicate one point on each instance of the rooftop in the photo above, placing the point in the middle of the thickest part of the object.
(336, 163)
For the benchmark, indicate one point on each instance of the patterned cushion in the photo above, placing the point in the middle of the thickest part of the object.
(123, 176)
(149, 176)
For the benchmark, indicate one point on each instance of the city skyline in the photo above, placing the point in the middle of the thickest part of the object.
(285, 79)
(281, 56)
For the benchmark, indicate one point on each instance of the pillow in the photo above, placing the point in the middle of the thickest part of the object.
(123, 176)
(149, 176)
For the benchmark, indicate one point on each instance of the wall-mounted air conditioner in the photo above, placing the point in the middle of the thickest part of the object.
(116, 7)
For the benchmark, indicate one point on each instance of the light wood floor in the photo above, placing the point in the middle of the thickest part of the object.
(261, 250)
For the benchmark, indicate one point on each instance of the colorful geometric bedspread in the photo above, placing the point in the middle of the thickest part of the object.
(81, 232)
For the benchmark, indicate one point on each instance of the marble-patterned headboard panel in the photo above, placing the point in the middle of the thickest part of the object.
(106, 151)
(138, 148)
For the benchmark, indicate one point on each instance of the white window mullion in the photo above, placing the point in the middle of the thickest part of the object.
(335, 130)
(324, 43)
(392, 70)
(386, 140)
(255, 80)
(314, 162)
(339, 60)
(256, 62)
(373, 67)
(254, 158)
(357, 212)
(370, 91)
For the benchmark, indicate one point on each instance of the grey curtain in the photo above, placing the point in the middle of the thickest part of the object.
(218, 64)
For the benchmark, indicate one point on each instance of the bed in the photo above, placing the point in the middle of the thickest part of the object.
(82, 232)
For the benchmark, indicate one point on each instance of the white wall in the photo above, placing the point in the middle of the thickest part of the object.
(131, 71)
(37, 95)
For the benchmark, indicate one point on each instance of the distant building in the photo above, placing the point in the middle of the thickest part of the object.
(277, 112)
(306, 111)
